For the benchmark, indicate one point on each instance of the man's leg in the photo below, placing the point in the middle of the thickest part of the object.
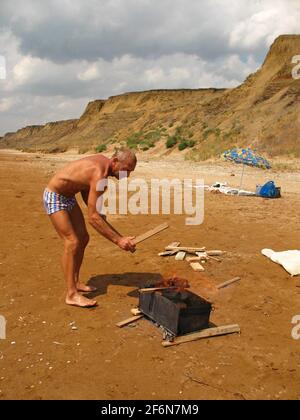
(71, 257)
(79, 226)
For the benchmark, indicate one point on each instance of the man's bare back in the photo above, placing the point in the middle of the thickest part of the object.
(78, 176)
(59, 199)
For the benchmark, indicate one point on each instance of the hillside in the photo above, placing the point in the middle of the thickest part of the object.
(262, 113)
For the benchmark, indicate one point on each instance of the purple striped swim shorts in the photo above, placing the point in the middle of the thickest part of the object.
(54, 202)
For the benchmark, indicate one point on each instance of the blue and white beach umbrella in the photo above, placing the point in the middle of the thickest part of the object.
(246, 157)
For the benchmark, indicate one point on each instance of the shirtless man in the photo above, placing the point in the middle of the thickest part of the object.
(65, 214)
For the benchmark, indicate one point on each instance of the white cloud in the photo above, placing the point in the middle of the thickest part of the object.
(6, 104)
(25, 69)
(2, 68)
(91, 73)
(154, 76)
(277, 17)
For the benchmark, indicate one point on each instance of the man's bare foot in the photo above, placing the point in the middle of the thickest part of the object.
(81, 287)
(81, 301)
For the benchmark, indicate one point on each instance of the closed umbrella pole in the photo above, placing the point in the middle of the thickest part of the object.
(242, 177)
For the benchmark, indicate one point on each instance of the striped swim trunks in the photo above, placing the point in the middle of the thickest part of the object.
(54, 202)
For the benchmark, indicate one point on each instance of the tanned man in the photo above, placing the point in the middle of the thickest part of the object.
(83, 176)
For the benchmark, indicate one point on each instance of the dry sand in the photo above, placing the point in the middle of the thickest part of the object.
(44, 358)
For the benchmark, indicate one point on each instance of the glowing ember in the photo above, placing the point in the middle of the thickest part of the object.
(174, 281)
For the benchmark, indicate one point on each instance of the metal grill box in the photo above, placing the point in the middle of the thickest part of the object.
(179, 312)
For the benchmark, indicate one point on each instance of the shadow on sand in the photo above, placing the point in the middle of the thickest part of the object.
(137, 280)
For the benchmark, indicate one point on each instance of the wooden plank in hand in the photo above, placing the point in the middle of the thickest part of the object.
(151, 233)
(208, 333)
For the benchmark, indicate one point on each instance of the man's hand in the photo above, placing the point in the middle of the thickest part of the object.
(127, 244)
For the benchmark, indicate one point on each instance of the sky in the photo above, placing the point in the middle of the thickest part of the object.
(57, 55)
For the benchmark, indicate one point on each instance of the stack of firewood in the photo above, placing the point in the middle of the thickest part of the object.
(196, 257)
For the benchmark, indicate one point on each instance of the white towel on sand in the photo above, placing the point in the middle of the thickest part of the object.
(290, 260)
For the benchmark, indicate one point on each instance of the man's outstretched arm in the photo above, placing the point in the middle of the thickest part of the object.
(102, 226)
(85, 197)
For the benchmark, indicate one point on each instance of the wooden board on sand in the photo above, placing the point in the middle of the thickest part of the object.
(129, 321)
(228, 283)
(157, 289)
(197, 267)
(210, 332)
(188, 250)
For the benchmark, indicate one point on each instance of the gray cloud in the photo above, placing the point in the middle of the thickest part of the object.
(62, 30)
(61, 53)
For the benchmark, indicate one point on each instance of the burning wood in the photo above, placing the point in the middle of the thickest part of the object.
(174, 282)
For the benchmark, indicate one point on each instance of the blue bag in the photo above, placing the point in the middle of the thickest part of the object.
(269, 190)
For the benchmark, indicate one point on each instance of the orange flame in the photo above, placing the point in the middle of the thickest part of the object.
(174, 281)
